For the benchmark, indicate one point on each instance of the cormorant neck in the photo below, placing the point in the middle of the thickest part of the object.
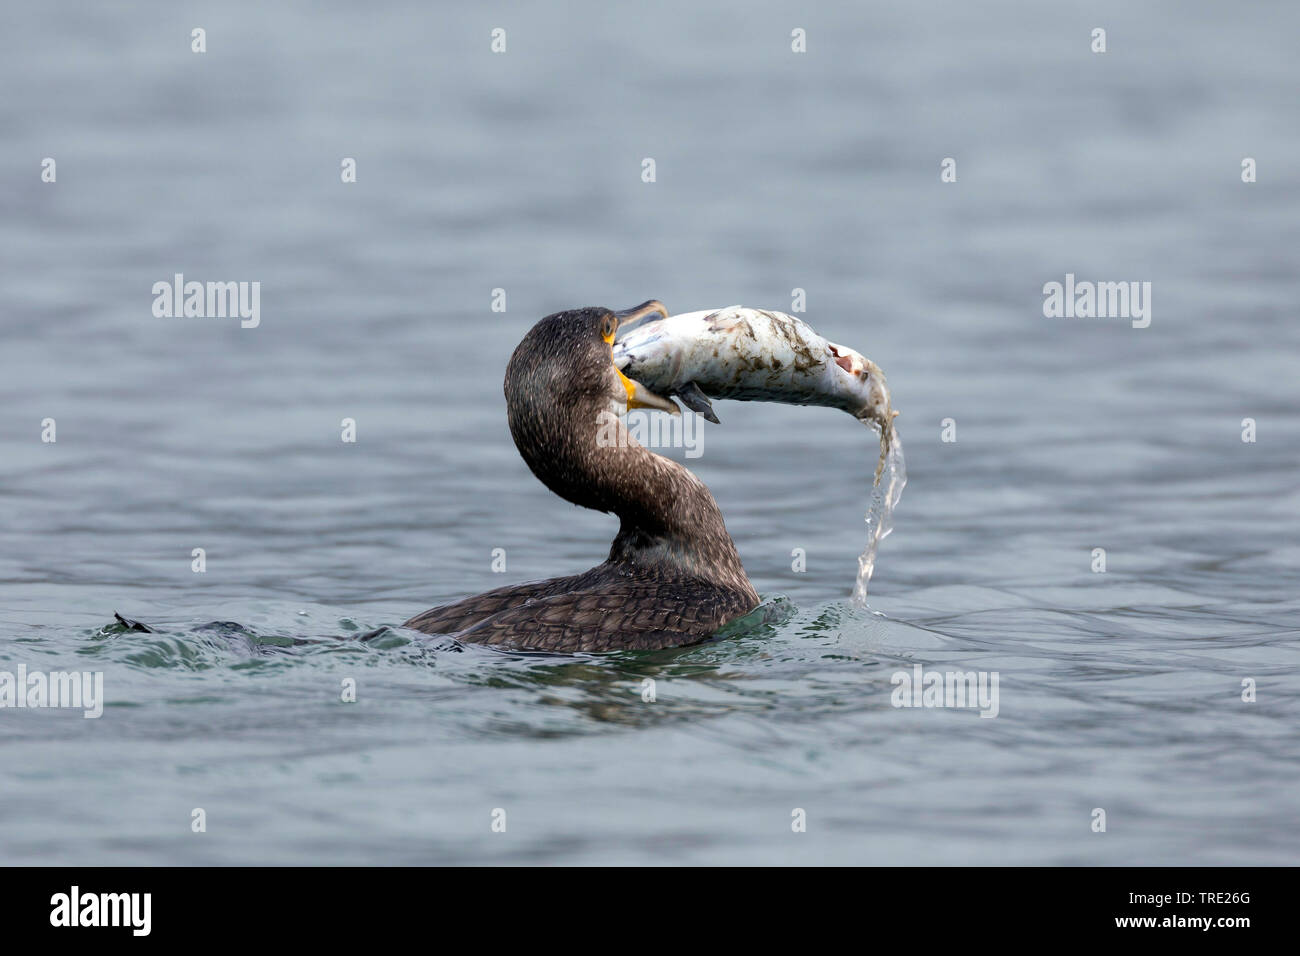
(669, 518)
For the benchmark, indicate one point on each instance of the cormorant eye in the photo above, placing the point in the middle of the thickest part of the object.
(607, 329)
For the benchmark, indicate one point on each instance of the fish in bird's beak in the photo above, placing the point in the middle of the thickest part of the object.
(750, 355)
(638, 396)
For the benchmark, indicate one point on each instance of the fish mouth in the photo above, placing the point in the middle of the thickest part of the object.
(638, 396)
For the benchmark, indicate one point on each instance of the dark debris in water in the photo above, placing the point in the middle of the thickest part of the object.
(131, 625)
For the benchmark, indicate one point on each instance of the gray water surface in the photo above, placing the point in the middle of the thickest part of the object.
(521, 171)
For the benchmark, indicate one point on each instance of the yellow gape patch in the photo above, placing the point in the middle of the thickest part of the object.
(628, 385)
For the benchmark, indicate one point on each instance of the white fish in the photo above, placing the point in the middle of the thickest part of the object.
(751, 355)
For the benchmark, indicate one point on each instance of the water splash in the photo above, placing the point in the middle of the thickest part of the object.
(891, 476)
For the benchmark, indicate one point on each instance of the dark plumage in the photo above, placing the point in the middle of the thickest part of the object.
(673, 575)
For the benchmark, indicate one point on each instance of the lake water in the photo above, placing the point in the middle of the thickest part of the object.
(1118, 690)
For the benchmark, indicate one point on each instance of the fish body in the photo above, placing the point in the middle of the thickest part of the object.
(751, 355)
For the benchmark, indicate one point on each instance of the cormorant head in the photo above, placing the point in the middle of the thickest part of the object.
(565, 363)
(561, 379)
